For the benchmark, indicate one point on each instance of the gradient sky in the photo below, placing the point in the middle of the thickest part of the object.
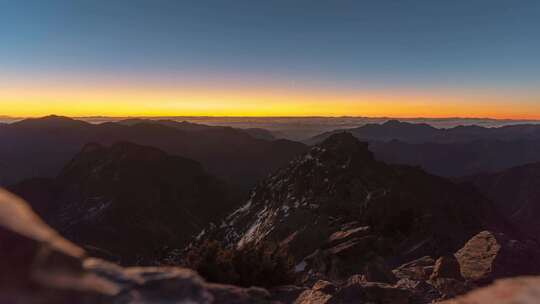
(402, 58)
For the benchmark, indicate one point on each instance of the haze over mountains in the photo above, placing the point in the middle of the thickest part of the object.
(302, 128)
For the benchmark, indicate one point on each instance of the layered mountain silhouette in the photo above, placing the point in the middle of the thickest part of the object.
(193, 127)
(342, 225)
(127, 202)
(337, 209)
(41, 147)
(453, 152)
(459, 159)
(422, 133)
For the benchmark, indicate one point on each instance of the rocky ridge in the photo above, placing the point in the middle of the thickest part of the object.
(336, 210)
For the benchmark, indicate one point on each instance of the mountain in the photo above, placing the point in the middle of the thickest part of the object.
(126, 202)
(180, 125)
(337, 209)
(452, 152)
(193, 127)
(516, 192)
(389, 130)
(423, 133)
(459, 158)
(40, 147)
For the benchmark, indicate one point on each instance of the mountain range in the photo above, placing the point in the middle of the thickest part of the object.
(452, 152)
(41, 147)
(342, 221)
(423, 132)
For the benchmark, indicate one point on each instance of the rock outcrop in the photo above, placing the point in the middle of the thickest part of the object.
(488, 256)
(338, 211)
(40, 267)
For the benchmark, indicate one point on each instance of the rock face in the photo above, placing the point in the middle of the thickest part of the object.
(40, 267)
(337, 209)
(127, 202)
(488, 256)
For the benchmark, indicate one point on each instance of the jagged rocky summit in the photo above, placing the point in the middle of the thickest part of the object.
(336, 209)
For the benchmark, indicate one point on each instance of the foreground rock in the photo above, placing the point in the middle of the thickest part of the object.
(38, 266)
(520, 290)
(488, 256)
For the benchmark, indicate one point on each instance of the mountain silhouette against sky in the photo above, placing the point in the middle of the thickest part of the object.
(41, 147)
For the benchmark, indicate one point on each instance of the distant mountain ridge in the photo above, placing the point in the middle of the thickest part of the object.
(40, 147)
(453, 152)
(422, 133)
(459, 158)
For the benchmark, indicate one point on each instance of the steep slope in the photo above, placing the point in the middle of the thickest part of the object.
(126, 202)
(228, 153)
(516, 192)
(336, 209)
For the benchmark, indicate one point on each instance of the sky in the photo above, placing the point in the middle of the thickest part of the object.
(396, 58)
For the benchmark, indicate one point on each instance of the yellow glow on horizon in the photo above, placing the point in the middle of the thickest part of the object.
(73, 100)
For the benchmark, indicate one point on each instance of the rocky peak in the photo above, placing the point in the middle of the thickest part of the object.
(346, 144)
(337, 209)
(126, 202)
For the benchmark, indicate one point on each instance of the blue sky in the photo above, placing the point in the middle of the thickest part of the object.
(420, 44)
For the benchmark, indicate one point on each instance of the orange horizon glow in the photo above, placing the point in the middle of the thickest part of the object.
(82, 100)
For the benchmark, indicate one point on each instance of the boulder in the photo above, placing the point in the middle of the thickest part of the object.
(489, 255)
(313, 297)
(40, 267)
